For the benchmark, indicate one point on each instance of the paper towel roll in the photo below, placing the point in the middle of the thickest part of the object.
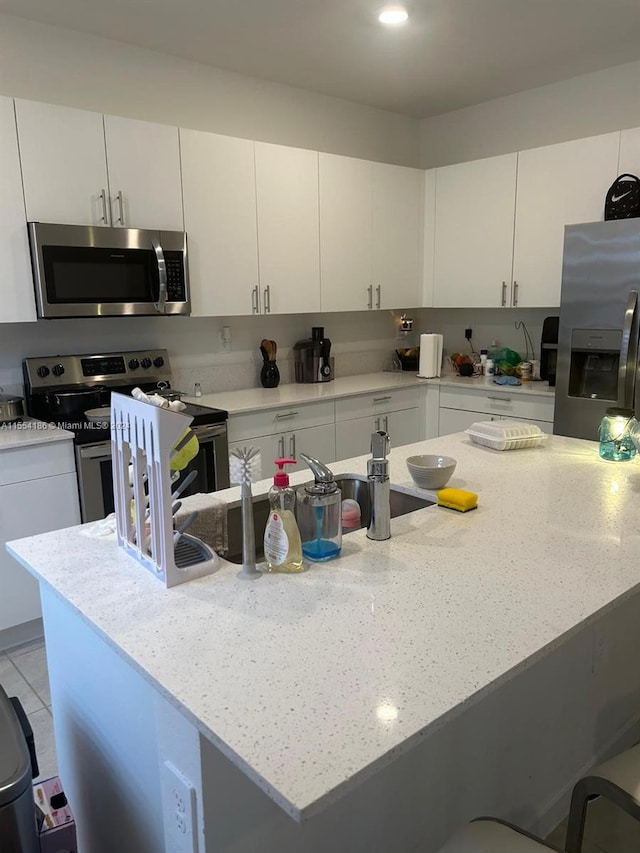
(430, 356)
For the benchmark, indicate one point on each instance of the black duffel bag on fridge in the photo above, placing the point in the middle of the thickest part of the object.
(623, 198)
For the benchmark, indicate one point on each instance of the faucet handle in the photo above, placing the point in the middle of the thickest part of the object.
(380, 444)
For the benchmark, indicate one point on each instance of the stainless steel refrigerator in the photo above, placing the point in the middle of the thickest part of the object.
(598, 334)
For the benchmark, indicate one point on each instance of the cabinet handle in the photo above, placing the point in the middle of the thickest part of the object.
(120, 207)
(284, 415)
(515, 294)
(281, 447)
(370, 296)
(254, 300)
(386, 423)
(382, 399)
(500, 399)
(377, 424)
(292, 446)
(378, 288)
(105, 217)
(267, 299)
(504, 294)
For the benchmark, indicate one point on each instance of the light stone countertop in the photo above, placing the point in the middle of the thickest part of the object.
(30, 432)
(253, 399)
(311, 682)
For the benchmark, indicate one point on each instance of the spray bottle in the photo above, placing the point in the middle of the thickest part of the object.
(282, 546)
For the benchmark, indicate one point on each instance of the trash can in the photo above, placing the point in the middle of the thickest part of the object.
(18, 832)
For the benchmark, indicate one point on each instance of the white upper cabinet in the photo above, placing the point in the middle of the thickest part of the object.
(558, 185)
(429, 235)
(397, 225)
(219, 194)
(17, 303)
(64, 164)
(473, 244)
(346, 237)
(144, 174)
(288, 229)
(82, 169)
(629, 160)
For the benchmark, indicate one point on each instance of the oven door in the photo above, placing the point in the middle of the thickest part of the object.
(84, 271)
(95, 480)
(212, 461)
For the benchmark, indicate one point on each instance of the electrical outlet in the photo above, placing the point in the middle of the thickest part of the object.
(468, 333)
(179, 808)
(224, 338)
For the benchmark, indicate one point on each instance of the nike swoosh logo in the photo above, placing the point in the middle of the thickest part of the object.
(618, 197)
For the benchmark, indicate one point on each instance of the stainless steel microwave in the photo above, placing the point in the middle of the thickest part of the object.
(91, 271)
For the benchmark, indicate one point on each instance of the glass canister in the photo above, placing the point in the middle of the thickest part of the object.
(616, 435)
(319, 514)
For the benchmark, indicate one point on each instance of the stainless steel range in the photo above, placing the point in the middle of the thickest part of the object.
(62, 389)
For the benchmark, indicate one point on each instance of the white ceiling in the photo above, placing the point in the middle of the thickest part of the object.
(451, 53)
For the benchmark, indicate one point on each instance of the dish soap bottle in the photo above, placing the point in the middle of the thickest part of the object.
(282, 546)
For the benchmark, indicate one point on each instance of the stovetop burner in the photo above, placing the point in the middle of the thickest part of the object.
(47, 377)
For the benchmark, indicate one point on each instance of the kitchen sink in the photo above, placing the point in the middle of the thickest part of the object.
(351, 486)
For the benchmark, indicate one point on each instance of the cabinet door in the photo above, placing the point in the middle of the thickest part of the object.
(353, 438)
(629, 158)
(64, 165)
(288, 228)
(318, 441)
(558, 185)
(17, 303)
(219, 193)
(35, 506)
(473, 247)
(345, 233)
(403, 427)
(457, 420)
(397, 217)
(144, 174)
(270, 447)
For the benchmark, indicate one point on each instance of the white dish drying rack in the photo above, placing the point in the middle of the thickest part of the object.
(505, 435)
(142, 439)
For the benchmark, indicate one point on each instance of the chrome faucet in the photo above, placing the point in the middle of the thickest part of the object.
(378, 477)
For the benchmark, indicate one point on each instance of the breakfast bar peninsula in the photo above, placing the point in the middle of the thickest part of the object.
(472, 664)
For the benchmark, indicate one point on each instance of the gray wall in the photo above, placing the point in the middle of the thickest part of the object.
(64, 67)
(583, 106)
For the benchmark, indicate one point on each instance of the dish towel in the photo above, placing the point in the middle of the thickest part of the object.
(211, 524)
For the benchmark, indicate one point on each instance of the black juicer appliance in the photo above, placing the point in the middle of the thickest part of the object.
(65, 389)
(312, 358)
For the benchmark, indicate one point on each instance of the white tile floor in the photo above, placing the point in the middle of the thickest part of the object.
(23, 673)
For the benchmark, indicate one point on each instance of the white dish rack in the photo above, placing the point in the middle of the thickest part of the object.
(505, 435)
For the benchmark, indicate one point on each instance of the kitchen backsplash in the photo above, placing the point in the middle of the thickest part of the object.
(361, 341)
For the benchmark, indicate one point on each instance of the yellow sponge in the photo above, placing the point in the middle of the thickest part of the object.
(458, 499)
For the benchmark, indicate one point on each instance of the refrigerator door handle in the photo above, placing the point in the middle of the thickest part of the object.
(628, 353)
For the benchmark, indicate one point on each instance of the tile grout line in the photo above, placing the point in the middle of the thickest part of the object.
(29, 685)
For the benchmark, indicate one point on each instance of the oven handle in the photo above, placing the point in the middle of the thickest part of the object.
(202, 433)
(95, 451)
(162, 278)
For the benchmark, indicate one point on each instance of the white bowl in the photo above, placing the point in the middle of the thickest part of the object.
(430, 471)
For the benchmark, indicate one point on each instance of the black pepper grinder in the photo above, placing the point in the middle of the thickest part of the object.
(269, 375)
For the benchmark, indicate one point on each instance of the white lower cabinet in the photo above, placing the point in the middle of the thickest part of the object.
(395, 412)
(277, 432)
(47, 501)
(461, 408)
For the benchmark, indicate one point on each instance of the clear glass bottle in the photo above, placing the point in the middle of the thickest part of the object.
(282, 545)
(616, 434)
(319, 514)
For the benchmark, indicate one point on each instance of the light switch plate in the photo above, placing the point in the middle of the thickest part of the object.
(179, 810)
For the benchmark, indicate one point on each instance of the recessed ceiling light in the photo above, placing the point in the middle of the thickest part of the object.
(393, 15)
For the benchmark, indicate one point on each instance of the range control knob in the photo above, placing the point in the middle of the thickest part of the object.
(146, 363)
(57, 370)
(43, 371)
(158, 362)
(134, 364)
